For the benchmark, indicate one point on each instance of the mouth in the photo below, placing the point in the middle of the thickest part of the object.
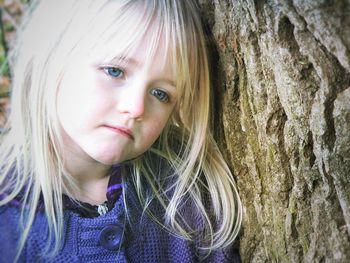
(121, 130)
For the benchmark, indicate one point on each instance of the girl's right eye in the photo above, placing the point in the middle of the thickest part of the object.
(114, 72)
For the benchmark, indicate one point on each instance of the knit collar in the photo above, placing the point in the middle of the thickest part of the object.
(114, 190)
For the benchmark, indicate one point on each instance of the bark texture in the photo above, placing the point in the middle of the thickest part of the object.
(283, 119)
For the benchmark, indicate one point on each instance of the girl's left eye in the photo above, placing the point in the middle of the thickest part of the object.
(113, 72)
(160, 95)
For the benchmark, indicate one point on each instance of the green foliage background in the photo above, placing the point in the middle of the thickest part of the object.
(11, 12)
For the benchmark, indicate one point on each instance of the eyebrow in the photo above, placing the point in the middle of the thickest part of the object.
(134, 62)
(167, 80)
(125, 60)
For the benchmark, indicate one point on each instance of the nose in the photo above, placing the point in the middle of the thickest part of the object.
(132, 102)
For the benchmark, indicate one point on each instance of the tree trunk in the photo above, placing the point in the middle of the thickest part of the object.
(283, 103)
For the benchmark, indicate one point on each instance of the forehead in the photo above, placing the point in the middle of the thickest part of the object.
(145, 51)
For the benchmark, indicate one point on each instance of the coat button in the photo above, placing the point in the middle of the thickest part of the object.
(111, 237)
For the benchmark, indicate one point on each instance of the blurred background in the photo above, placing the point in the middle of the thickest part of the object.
(10, 15)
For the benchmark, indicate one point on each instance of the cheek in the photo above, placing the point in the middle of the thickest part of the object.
(78, 100)
(156, 127)
(71, 105)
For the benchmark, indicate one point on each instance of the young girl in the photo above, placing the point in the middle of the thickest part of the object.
(107, 156)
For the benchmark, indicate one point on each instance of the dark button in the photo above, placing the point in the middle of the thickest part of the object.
(111, 237)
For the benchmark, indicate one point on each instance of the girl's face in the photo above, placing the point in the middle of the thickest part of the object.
(112, 112)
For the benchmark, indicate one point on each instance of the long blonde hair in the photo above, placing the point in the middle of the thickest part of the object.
(56, 32)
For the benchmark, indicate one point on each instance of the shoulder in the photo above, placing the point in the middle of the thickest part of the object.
(10, 231)
(12, 226)
(148, 240)
(9, 217)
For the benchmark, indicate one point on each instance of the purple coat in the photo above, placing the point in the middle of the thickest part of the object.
(107, 238)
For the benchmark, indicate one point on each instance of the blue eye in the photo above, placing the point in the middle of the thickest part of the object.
(160, 95)
(114, 72)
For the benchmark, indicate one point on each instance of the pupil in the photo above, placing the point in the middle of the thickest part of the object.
(160, 94)
(114, 72)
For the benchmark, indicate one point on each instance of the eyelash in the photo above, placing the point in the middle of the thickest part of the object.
(159, 94)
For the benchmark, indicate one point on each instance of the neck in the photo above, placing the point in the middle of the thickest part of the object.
(91, 178)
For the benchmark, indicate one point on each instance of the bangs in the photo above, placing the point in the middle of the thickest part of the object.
(142, 28)
(119, 29)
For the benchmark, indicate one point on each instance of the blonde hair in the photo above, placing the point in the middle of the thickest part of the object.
(54, 33)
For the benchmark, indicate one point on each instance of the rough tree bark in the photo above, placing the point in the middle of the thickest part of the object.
(283, 89)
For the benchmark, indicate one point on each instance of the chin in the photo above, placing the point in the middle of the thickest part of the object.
(108, 159)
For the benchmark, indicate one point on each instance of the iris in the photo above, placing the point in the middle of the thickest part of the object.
(160, 95)
(114, 72)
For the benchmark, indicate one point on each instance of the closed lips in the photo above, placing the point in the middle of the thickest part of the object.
(122, 130)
